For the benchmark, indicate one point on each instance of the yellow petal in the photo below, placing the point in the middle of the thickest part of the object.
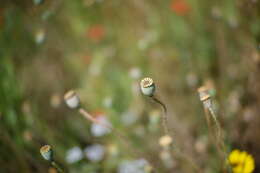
(242, 157)
(249, 164)
(234, 157)
(237, 169)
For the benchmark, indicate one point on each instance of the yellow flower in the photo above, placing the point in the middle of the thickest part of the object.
(241, 162)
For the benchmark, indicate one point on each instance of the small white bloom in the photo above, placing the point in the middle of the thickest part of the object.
(167, 159)
(40, 36)
(135, 166)
(135, 73)
(165, 141)
(108, 102)
(99, 130)
(73, 155)
(129, 118)
(95, 152)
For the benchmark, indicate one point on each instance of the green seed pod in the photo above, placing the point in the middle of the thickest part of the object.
(47, 152)
(147, 86)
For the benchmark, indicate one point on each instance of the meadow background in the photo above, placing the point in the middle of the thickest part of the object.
(102, 49)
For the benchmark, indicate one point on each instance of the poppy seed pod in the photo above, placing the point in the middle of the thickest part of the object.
(205, 96)
(47, 152)
(72, 100)
(147, 86)
(203, 93)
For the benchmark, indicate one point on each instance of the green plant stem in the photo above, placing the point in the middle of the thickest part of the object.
(164, 116)
(55, 165)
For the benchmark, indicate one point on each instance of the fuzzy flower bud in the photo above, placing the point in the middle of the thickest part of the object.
(72, 99)
(47, 152)
(147, 86)
(165, 141)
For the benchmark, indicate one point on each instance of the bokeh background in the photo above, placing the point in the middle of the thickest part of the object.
(102, 48)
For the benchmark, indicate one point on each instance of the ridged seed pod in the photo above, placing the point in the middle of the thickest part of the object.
(47, 152)
(147, 86)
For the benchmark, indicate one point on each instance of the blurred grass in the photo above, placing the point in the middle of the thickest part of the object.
(103, 49)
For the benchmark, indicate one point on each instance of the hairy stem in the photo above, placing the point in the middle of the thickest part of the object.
(220, 139)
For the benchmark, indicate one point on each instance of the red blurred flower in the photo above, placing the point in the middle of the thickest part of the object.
(96, 33)
(98, 114)
(180, 7)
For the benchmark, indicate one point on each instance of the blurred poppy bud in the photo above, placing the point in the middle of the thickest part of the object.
(165, 141)
(147, 86)
(72, 100)
(46, 152)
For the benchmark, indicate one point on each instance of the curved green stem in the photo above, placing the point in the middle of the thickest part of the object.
(164, 116)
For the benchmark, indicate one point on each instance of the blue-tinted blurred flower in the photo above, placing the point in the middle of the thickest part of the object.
(135, 166)
(99, 130)
(129, 118)
(74, 154)
(135, 73)
(95, 152)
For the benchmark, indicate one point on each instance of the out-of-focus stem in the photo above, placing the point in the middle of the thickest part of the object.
(55, 165)
(88, 116)
(220, 138)
(212, 112)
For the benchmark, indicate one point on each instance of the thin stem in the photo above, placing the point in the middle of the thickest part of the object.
(220, 141)
(212, 112)
(164, 116)
(88, 116)
(166, 131)
(219, 130)
(55, 165)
